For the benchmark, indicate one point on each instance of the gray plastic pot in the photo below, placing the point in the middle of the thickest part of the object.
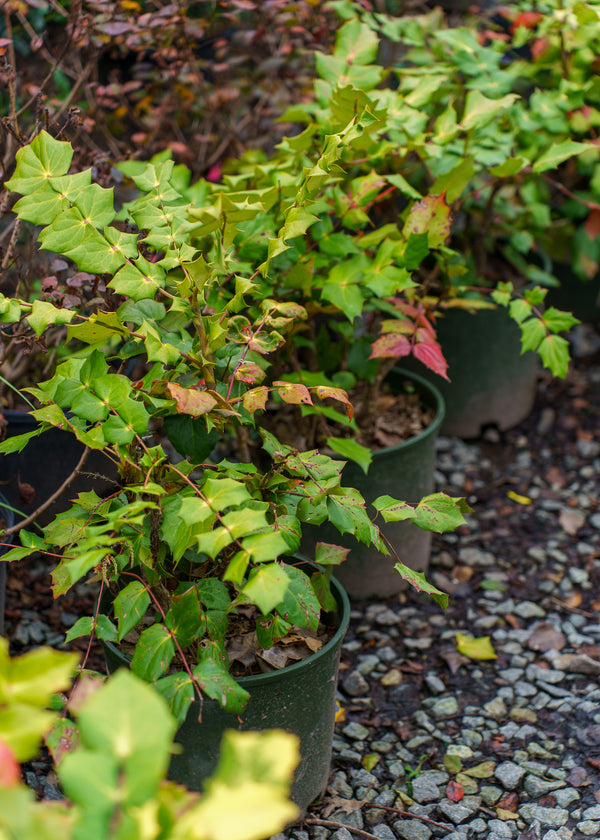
(405, 472)
(299, 699)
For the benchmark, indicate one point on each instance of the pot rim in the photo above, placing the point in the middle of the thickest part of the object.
(343, 612)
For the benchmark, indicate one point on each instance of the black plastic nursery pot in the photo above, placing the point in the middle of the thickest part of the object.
(405, 472)
(7, 519)
(580, 297)
(299, 699)
(491, 382)
(44, 464)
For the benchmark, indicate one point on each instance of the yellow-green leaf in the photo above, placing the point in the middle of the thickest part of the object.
(480, 648)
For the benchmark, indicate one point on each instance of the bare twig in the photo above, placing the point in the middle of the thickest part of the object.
(51, 499)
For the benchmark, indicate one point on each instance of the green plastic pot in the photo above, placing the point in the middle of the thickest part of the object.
(491, 383)
(299, 699)
(406, 472)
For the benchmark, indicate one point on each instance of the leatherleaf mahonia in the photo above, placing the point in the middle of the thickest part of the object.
(170, 370)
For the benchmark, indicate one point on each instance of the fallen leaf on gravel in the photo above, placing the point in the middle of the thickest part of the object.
(481, 771)
(546, 637)
(337, 803)
(454, 659)
(571, 521)
(506, 815)
(452, 763)
(370, 760)
(578, 777)
(573, 600)
(454, 791)
(468, 784)
(462, 574)
(510, 802)
(480, 648)
(521, 500)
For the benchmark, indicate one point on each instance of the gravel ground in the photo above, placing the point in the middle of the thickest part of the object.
(430, 743)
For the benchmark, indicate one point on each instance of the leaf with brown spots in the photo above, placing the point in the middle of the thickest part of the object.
(510, 802)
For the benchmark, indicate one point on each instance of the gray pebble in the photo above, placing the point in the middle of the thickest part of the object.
(412, 830)
(356, 731)
(454, 811)
(383, 831)
(425, 789)
(509, 775)
(501, 829)
(444, 707)
(551, 817)
(435, 684)
(527, 609)
(536, 788)
(366, 664)
(355, 684)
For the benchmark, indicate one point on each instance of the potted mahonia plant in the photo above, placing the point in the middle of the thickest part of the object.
(373, 270)
(446, 135)
(173, 364)
(111, 761)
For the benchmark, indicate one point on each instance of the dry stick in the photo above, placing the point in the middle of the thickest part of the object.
(333, 824)
(45, 505)
(401, 813)
(361, 833)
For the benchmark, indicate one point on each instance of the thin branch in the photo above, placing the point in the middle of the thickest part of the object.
(51, 499)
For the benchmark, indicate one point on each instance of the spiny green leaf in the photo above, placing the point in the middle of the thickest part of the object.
(349, 448)
(560, 152)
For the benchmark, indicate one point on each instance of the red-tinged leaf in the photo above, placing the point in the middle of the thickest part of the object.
(592, 224)
(324, 392)
(256, 399)
(431, 356)
(430, 216)
(293, 393)
(62, 738)
(249, 372)
(390, 346)
(454, 791)
(425, 333)
(328, 554)
(190, 401)
(539, 47)
(10, 769)
(528, 20)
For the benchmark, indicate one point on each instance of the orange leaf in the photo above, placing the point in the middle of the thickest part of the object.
(190, 401)
(454, 791)
(324, 392)
(293, 393)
